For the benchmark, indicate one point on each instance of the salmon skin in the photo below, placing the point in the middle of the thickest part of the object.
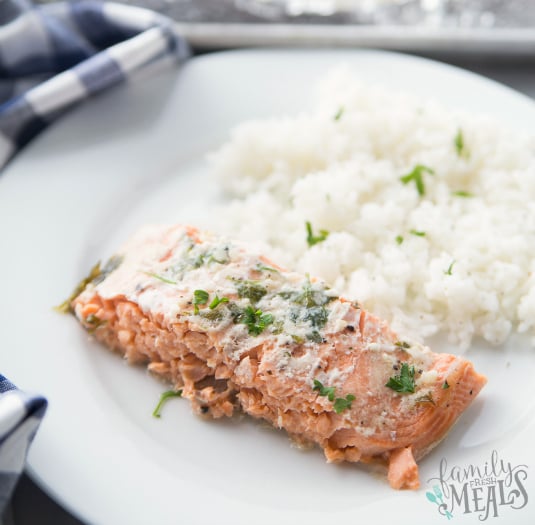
(234, 331)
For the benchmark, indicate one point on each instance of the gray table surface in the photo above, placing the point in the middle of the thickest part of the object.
(31, 506)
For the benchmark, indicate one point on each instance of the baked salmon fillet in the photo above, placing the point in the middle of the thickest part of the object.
(233, 331)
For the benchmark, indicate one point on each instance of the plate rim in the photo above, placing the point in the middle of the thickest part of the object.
(220, 55)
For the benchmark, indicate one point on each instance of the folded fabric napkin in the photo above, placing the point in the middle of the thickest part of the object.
(20, 415)
(55, 55)
(52, 57)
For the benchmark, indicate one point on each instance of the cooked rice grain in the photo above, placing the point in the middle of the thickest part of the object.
(471, 271)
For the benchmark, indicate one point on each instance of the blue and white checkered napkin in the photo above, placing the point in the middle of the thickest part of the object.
(55, 55)
(20, 415)
(52, 57)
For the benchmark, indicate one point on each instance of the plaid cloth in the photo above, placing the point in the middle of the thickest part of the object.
(52, 57)
(56, 55)
(20, 415)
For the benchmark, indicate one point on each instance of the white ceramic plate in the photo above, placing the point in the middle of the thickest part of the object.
(137, 155)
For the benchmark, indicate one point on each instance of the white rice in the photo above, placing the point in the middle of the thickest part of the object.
(344, 176)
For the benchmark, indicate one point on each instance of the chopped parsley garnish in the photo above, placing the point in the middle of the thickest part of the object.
(160, 278)
(339, 113)
(450, 268)
(341, 404)
(462, 193)
(255, 320)
(460, 146)
(325, 391)
(416, 175)
(445, 385)
(418, 233)
(163, 398)
(402, 344)
(199, 297)
(404, 382)
(399, 239)
(251, 290)
(216, 301)
(315, 239)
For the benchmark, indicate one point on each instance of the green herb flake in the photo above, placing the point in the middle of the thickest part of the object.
(399, 239)
(94, 322)
(307, 296)
(339, 113)
(404, 382)
(255, 320)
(316, 315)
(160, 278)
(445, 385)
(460, 146)
(277, 327)
(315, 337)
(325, 391)
(251, 290)
(96, 276)
(163, 398)
(315, 239)
(217, 301)
(417, 233)
(402, 344)
(198, 261)
(416, 176)
(195, 261)
(462, 193)
(341, 404)
(112, 264)
(449, 269)
(199, 297)
(212, 315)
(65, 307)
(263, 268)
(210, 258)
(235, 312)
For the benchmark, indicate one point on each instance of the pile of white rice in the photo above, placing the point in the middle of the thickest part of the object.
(462, 264)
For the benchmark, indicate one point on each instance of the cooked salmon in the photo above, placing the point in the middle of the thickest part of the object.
(233, 331)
